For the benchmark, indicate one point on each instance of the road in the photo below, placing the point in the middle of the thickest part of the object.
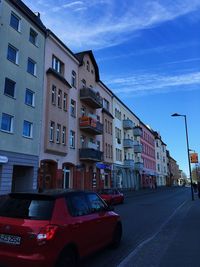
(143, 217)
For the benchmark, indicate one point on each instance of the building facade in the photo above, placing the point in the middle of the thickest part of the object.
(22, 36)
(148, 157)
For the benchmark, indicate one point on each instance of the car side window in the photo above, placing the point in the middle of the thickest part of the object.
(77, 205)
(96, 204)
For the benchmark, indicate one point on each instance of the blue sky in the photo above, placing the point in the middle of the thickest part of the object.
(148, 54)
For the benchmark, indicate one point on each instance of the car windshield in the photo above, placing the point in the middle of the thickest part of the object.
(26, 208)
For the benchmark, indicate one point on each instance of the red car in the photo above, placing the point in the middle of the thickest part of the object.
(112, 196)
(55, 228)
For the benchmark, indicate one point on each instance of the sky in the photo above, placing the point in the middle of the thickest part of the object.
(148, 53)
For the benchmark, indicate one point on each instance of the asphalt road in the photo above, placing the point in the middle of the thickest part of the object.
(144, 216)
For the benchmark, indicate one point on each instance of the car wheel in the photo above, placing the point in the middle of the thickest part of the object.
(117, 236)
(68, 258)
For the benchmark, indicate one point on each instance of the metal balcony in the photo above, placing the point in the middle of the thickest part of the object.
(129, 163)
(137, 148)
(128, 143)
(90, 125)
(137, 131)
(91, 98)
(90, 154)
(128, 124)
(138, 166)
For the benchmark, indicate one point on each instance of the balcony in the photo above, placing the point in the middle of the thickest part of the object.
(137, 131)
(128, 124)
(129, 163)
(137, 148)
(90, 154)
(128, 143)
(138, 166)
(91, 98)
(90, 125)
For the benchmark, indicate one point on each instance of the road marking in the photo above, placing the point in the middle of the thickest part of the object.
(124, 262)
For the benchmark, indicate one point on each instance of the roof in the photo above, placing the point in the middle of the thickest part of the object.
(80, 57)
(35, 18)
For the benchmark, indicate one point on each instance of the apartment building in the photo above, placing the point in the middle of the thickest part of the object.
(22, 36)
(173, 171)
(90, 129)
(148, 178)
(126, 147)
(58, 151)
(161, 160)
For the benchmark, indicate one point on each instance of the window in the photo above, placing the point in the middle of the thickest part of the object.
(88, 65)
(60, 98)
(30, 98)
(57, 65)
(12, 54)
(53, 94)
(9, 88)
(58, 130)
(64, 135)
(83, 83)
(157, 155)
(31, 67)
(72, 139)
(65, 102)
(95, 202)
(33, 36)
(73, 108)
(7, 122)
(15, 22)
(77, 205)
(73, 79)
(52, 131)
(106, 104)
(27, 129)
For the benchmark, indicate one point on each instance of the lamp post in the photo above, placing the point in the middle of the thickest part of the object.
(188, 151)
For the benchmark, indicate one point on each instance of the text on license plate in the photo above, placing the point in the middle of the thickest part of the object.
(10, 239)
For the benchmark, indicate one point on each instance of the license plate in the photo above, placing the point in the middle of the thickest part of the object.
(10, 239)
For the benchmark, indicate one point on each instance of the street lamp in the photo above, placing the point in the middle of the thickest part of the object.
(188, 151)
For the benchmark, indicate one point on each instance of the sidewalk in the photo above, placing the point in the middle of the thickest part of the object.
(176, 244)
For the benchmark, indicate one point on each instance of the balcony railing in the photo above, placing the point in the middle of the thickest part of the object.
(128, 124)
(129, 163)
(91, 98)
(128, 143)
(137, 131)
(138, 166)
(90, 125)
(90, 154)
(137, 148)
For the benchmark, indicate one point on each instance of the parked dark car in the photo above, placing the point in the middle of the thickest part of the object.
(55, 228)
(112, 196)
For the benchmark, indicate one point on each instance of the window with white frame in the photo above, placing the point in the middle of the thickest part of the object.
(12, 54)
(52, 131)
(64, 135)
(15, 21)
(29, 97)
(60, 98)
(7, 123)
(33, 36)
(31, 66)
(27, 129)
(83, 83)
(9, 87)
(57, 65)
(58, 132)
(106, 104)
(73, 108)
(65, 102)
(72, 139)
(53, 94)
(73, 83)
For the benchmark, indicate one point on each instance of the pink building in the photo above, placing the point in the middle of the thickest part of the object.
(148, 175)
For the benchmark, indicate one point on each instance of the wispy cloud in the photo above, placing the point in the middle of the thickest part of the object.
(104, 23)
(141, 84)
